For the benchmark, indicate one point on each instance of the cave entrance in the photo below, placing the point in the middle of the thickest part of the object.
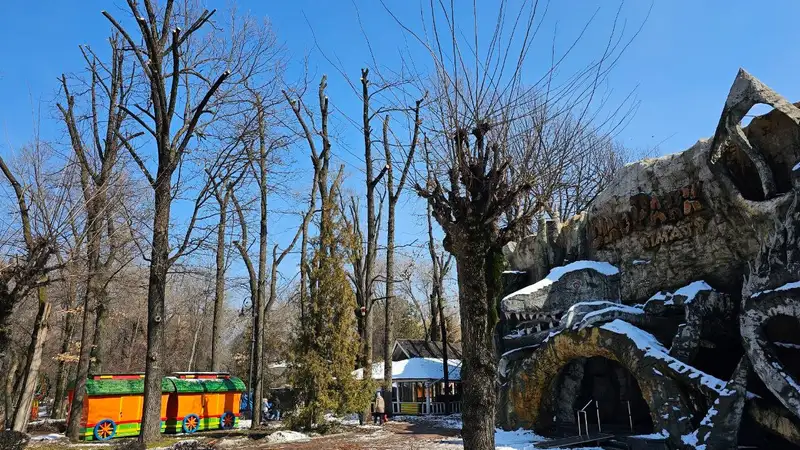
(612, 387)
(781, 331)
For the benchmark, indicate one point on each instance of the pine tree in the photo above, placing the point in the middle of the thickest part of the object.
(327, 346)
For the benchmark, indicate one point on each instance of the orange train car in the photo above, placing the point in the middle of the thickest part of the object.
(190, 402)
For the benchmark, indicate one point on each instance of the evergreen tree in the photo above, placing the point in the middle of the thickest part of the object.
(327, 346)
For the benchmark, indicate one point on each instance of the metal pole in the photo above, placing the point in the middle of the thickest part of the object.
(630, 416)
(578, 414)
(597, 407)
(586, 422)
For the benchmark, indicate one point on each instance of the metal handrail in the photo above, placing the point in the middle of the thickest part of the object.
(586, 417)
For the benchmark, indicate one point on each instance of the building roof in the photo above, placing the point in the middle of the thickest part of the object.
(416, 369)
(420, 348)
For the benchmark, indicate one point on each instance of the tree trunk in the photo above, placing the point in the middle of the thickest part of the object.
(8, 389)
(159, 259)
(435, 329)
(81, 373)
(258, 365)
(23, 410)
(477, 330)
(219, 291)
(445, 351)
(61, 376)
(99, 343)
(388, 336)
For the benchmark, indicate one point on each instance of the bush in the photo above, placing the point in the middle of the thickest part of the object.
(13, 440)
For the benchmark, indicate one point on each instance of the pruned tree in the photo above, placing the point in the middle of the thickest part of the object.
(394, 195)
(484, 160)
(171, 76)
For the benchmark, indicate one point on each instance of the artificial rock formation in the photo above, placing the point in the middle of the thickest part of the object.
(673, 302)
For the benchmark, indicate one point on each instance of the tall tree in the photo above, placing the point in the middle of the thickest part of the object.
(394, 196)
(162, 58)
(486, 161)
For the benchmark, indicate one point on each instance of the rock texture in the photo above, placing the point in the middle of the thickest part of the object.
(695, 328)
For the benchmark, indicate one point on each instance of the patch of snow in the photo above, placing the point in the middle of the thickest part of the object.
(691, 290)
(286, 436)
(452, 422)
(640, 262)
(244, 424)
(787, 345)
(650, 345)
(785, 287)
(416, 369)
(796, 167)
(514, 271)
(557, 272)
(661, 435)
(527, 347)
(48, 437)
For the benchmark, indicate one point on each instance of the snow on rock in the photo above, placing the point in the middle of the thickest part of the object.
(416, 369)
(640, 262)
(650, 345)
(796, 167)
(557, 272)
(785, 287)
(689, 291)
(286, 436)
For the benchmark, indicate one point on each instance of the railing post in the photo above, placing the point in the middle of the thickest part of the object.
(597, 407)
(578, 414)
(630, 416)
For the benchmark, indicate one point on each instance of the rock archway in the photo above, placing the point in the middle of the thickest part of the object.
(529, 385)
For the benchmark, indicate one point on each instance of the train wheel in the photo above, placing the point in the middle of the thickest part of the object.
(227, 420)
(191, 423)
(105, 430)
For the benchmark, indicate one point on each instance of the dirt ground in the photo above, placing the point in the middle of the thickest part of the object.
(391, 436)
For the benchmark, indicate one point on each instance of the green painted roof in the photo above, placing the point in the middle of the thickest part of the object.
(231, 384)
(168, 384)
(121, 387)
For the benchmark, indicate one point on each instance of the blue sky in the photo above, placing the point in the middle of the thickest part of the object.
(681, 65)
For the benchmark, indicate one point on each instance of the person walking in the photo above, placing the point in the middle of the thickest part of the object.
(378, 409)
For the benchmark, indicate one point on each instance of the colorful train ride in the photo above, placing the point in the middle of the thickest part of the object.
(190, 402)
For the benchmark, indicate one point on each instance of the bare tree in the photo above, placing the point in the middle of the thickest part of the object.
(163, 59)
(394, 196)
(485, 160)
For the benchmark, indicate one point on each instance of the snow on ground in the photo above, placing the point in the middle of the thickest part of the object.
(415, 369)
(244, 424)
(451, 422)
(286, 436)
(48, 437)
(504, 440)
(557, 272)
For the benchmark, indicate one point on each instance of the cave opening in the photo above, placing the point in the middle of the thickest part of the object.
(781, 331)
(608, 388)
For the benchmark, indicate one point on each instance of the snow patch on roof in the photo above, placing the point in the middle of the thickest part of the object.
(785, 287)
(557, 272)
(416, 369)
(650, 345)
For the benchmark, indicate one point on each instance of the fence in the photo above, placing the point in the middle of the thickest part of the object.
(424, 408)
